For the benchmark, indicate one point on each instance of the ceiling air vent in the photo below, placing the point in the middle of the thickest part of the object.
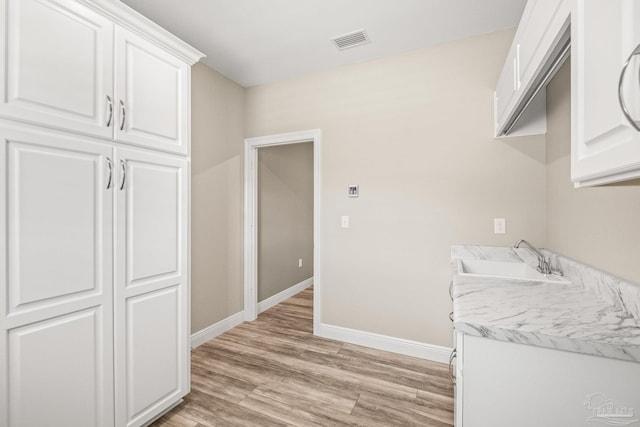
(349, 40)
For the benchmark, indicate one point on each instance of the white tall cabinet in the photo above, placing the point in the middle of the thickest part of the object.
(94, 206)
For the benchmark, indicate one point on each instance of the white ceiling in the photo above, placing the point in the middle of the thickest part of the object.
(260, 41)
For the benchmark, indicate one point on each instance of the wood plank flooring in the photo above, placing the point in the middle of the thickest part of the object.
(275, 372)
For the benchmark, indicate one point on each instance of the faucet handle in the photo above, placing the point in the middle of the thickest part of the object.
(544, 267)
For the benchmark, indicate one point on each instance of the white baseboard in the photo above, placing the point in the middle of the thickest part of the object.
(286, 294)
(210, 332)
(435, 353)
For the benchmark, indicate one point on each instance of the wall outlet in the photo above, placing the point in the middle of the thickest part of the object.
(300, 263)
(344, 221)
(499, 226)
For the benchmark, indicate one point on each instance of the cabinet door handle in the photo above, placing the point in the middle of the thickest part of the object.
(123, 167)
(451, 316)
(123, 115)
(110, 105)
(452, 375)
(625, 110)
(110, 167)
(451, 290)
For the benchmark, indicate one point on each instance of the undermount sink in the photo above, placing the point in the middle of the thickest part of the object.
(504, 270)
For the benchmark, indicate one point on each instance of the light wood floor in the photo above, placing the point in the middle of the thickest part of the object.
(274, 372)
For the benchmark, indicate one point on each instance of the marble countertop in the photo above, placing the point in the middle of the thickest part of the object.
(595, 313)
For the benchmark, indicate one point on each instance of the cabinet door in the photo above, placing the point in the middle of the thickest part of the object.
(152, 88)
(57, 65)
(152, 331)
(506, 89)
(56, 321)
(541, 27)
(508, 384)
(605, 147)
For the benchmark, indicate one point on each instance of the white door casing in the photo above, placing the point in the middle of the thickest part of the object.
(251, 146)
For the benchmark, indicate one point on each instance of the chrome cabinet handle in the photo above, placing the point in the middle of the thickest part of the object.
(451, 316)
(110, 104)
(123, 167)
(452, 375)
(451, 290)
(625, 110)
(110, 166)
(123, 114)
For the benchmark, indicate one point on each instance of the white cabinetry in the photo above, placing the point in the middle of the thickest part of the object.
(70, 67)
(539, 47)
(605, 145)
(94, 233)
(56, 321)
(455, 370)
(504, 384)
(64, 284)
(151, 91)
(507, 88)
(152, 343)
(58, 57)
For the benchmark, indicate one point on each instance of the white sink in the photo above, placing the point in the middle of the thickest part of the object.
(504, 270)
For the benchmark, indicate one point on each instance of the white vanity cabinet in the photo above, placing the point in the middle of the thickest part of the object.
(70, 67)
(605, 144)
(94, 215)
(502, 384)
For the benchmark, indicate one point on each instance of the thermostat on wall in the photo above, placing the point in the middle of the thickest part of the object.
(353, 190)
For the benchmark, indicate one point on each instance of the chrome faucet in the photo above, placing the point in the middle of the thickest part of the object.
(543, 264)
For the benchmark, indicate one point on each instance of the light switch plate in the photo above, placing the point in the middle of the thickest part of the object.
(344, 221)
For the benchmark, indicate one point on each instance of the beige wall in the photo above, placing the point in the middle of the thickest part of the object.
(285, 217)
(598, 226)
(414, 131)
(216, 197)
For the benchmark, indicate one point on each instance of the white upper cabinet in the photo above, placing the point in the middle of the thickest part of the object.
(540, 45)
(58, 65)
(68, 66)
(544, 22)
(605, 143)
(507, 87)
(152, 95)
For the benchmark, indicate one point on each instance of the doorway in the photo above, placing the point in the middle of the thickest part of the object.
(251, 218)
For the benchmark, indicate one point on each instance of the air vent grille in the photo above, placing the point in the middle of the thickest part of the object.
(353, 39)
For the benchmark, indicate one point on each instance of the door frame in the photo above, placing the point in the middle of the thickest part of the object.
(251, 146)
